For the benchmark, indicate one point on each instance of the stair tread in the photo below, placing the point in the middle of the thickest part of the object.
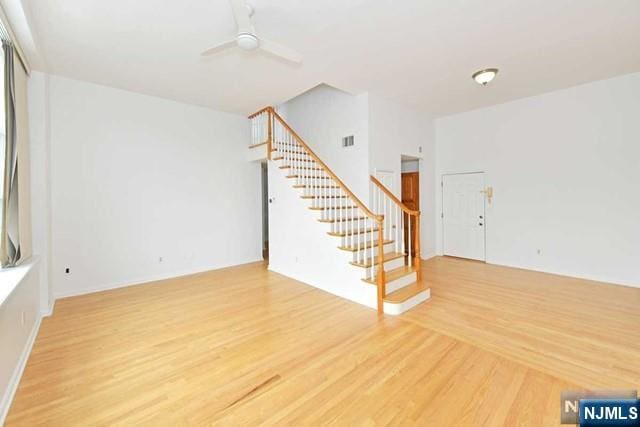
(315, 186)
(289, 151)
(306, 176)
(364, 245)
(324, 197)
(358, 218)
(403, 294)
(389, 256)
(344, 234)
(297, 160)
(395, 274)
(307, 169)
(332, 207)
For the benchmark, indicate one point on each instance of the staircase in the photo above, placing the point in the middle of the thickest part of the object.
(374, 239)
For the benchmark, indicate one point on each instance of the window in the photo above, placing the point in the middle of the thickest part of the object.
(2, 123)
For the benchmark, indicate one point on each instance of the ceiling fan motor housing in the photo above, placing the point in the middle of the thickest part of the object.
(247, 41)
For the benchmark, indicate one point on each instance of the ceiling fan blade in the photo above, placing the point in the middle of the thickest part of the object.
(280, 51)
(219, 47)
(242, 15)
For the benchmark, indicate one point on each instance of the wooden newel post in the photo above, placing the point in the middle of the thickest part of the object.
(269, 132)
(417, 249)
(380, 277)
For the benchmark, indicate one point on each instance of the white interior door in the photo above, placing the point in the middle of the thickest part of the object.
(463, 215)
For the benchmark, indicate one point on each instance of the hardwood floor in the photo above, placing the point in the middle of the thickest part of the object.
(494, 346)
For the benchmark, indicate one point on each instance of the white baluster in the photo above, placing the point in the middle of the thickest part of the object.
(352, 226)
(397, 222)
(409, 241)
(370, 252)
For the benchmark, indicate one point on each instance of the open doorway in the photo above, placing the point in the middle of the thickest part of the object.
(264, 182)
(410, 192)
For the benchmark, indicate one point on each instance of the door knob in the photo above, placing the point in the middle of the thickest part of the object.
(488, 192)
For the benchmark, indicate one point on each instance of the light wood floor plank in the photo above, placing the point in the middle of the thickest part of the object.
(245, 346)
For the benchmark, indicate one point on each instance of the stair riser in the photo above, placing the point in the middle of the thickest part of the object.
(371, 235)
(337, 214)
(364, 254)
(320, 192)
(330, 202)
(285, 146)
(394, 309)
(344, 226)
(304, 161)
(301, 180)
(401, 282)
(390, 265)
(363, 237)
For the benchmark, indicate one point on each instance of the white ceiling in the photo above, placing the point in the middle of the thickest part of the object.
(418, 52)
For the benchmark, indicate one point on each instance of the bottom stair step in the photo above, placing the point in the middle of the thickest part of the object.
(403, 294)
(406, 298)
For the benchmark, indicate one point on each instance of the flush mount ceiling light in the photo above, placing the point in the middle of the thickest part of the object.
(483, 77)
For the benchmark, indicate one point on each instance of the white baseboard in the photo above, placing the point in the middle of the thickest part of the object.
(49, 310)
(12, 387)
(140, 281)
(606, 280)
(425, 257)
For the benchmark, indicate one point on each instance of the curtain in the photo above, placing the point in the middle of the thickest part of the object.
(9, 233)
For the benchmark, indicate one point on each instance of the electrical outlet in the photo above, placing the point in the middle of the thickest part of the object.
(23, 318)
(67, 270)
(539, 251)
(160, 259)
(420, 149)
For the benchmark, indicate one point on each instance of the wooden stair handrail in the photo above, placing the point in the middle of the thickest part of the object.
(389, 194)
(380, 274)
(269, 108)
(365, 209)
(409, 212)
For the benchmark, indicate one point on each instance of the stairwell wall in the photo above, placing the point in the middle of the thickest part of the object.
(384, 131)
(322, 116)
(396, 131)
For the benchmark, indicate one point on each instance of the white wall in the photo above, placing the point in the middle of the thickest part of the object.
(322, 116)
(409, 166)
(39, 147)
(394, 131)
(299, 246)
(19, 322)
(384, 132)
(565, 168)
(134, 178)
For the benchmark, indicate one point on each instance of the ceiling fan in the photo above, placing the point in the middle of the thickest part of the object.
(247, 39)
